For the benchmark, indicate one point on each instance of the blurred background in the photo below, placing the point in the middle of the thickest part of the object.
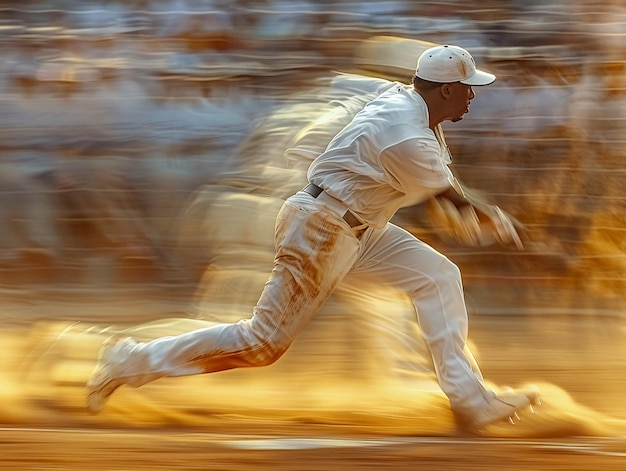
(116, 113)
(143, 159)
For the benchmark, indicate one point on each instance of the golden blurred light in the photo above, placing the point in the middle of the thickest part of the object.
(147, 146)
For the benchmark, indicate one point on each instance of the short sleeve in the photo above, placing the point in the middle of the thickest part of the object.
(414, 165)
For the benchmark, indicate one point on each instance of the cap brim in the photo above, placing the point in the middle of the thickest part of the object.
(480, 78)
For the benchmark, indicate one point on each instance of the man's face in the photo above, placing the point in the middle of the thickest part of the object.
(459, 100)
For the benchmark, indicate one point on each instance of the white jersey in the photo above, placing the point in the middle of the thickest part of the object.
(385, 159)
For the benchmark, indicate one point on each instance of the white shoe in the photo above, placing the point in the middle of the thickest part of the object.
(109, 372)
(501, 407)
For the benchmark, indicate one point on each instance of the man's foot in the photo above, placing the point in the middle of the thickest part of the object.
(502, 406)
(108, 374)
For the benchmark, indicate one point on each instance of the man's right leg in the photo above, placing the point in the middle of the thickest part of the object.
(315, 250)
(433, 282)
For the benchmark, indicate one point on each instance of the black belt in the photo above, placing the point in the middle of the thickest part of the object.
(349, 217)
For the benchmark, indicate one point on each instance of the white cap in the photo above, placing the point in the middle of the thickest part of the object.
(448, 64)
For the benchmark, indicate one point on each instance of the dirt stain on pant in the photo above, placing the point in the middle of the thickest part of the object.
(314, 252)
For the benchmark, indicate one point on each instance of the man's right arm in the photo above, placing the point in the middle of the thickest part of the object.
(476, 223)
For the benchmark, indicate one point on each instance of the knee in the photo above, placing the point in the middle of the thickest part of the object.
(442, 276)
(263, 348)
(446, 273)
(268, 353)
(449, 271)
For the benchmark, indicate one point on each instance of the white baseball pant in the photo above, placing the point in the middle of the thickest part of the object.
(315, 250)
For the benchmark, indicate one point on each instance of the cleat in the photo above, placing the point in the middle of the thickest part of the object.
(109, 372)
(533, 396)
(517, 417)
(504, 406)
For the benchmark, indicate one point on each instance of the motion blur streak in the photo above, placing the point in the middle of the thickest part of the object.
(143, 159)
(352, 368)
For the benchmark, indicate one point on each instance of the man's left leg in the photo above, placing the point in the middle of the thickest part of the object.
(314, 252)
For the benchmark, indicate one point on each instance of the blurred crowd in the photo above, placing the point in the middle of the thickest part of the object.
(116, 112)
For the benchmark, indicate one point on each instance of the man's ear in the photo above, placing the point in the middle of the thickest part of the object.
(446, 90)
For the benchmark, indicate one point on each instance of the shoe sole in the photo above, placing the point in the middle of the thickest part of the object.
(533, 398)
(501, 417)
(100, 386)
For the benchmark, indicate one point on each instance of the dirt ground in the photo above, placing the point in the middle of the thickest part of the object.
(237, 422)
(286, 450)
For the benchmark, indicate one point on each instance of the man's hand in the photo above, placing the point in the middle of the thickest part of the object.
(504, 229)
(480, 226)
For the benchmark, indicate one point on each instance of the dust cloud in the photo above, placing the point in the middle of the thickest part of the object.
(360, 367)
